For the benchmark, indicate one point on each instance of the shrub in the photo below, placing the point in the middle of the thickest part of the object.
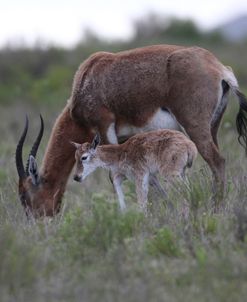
(164, 242)
(87, 234)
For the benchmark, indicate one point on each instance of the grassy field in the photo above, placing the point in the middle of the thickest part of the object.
(91, 252)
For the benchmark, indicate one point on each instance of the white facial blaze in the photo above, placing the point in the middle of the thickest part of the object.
(88, 168)
(87, 164)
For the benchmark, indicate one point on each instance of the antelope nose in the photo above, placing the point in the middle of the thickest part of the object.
(77, 178)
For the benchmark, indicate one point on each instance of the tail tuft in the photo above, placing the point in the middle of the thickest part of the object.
(241, 120)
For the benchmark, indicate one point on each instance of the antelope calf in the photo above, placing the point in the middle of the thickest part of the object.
(167, 152)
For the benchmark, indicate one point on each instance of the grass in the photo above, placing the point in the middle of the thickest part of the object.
(91, 252)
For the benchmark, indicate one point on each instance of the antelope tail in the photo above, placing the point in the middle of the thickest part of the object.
(241, 119)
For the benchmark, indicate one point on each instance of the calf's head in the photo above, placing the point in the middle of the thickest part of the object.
(86, 158)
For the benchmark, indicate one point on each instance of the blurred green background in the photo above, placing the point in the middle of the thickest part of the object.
(44, 74)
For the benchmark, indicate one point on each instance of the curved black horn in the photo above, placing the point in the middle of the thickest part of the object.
(35, 147)
(18, 153)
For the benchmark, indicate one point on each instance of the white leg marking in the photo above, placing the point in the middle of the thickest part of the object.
(142, 191)
(145, 184)
(117, 180)
(111, 134)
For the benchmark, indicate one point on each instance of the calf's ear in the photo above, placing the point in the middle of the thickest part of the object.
(76, 145)
(96, 141)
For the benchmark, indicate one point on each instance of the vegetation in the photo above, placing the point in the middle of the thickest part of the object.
(91, 251)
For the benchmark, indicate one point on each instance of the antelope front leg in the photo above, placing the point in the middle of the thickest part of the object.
(117, 181)
(142, 182)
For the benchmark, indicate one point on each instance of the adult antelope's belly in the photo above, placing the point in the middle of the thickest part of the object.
(162, 119)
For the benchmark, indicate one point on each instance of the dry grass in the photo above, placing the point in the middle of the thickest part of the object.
(91, 252)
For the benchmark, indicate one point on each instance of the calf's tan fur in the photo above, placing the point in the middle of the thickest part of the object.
(166, 152)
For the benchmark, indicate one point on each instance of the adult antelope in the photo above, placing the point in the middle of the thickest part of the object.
(118, 94)
(166, 152)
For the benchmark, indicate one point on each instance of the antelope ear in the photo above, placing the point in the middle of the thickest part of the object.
(33, 170)
(76, 145)
(96, 141)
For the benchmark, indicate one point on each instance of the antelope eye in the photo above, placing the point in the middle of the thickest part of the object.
(84, 157)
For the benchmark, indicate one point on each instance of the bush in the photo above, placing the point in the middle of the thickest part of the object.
(87, 234)
(164, 242)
